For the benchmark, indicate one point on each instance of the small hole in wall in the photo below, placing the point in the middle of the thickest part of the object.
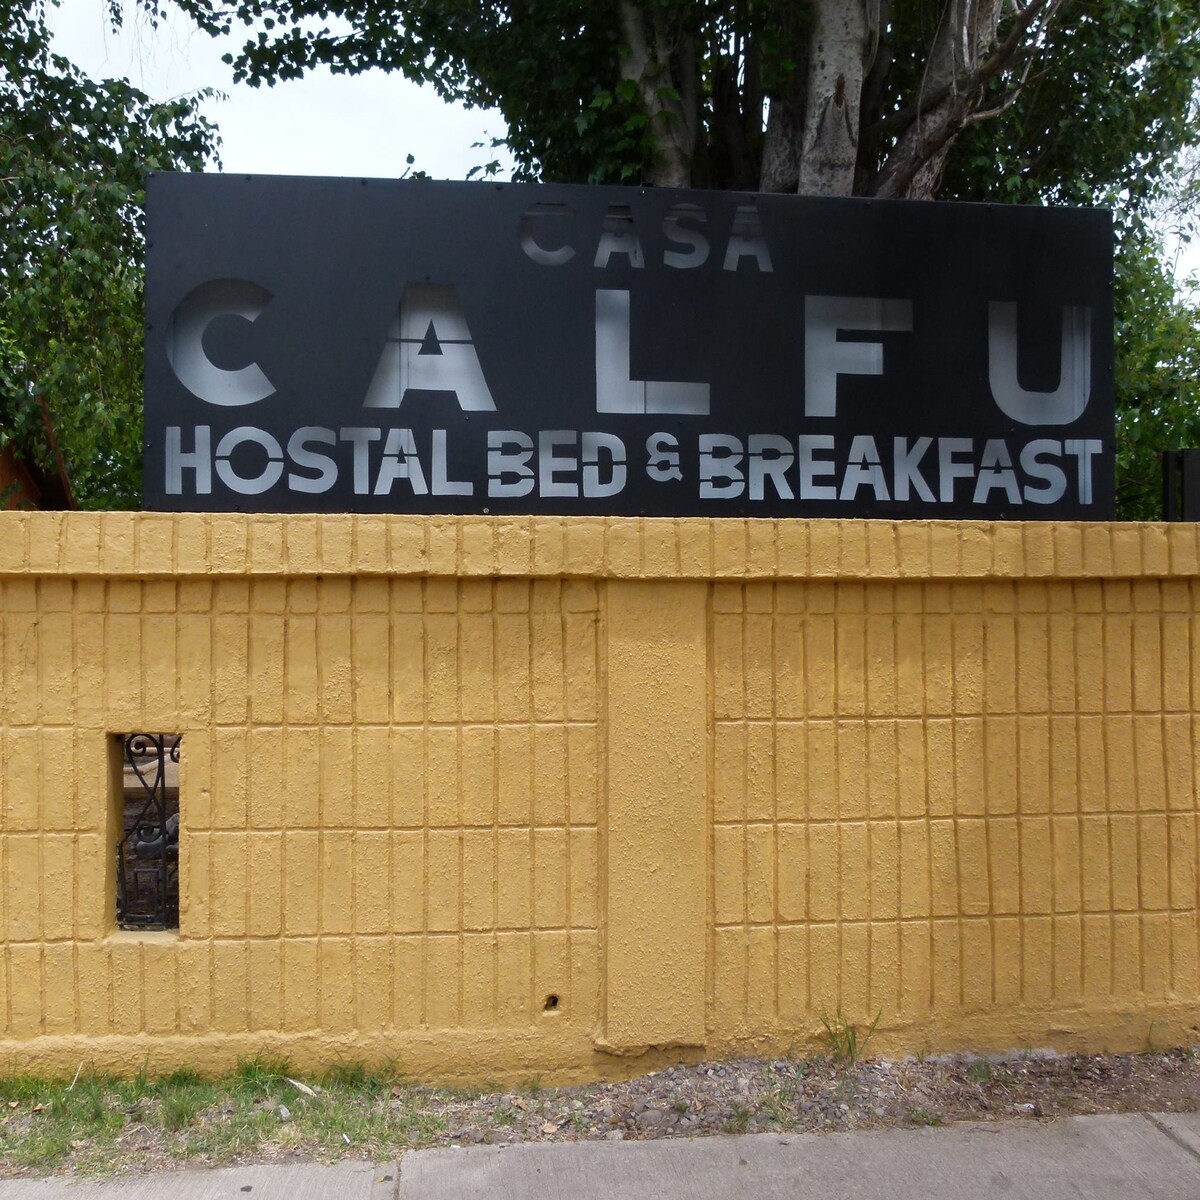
(551, 1003)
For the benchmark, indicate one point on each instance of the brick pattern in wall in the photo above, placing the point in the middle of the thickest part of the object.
(904, 824)
(702, 781)
(390, 796)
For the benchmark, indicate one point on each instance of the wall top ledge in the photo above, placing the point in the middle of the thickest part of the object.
(163, 545)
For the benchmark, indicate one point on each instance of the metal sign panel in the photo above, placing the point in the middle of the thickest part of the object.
(410, 346)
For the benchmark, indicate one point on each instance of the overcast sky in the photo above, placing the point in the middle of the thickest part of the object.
(319, 125)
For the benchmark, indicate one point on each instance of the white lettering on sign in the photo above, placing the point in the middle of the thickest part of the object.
(813, 468)
(508, 457)
(619, 237)
(543, 219)
(907, 461)
(301, 454)
(1070, 398)
(544, 233)
(429, 348)
(826, 356)
(863, 469)
(197, 460)
(400, 461)
(771, 456)
(511, 452)
(594, 465)
(721, 475)
(1049, 473)
(662, 461)
(249, 485)
(725, 463)
(746, 241)
(185, 343)
(679, 228)
(616, 392)
(996, 471)
(951, 468)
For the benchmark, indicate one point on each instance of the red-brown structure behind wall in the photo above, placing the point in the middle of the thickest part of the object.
(23, 484)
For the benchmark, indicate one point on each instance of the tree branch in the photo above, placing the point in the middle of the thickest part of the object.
(921, 147)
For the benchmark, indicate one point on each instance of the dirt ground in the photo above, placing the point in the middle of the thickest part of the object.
(264, 1115)
(825, 1095)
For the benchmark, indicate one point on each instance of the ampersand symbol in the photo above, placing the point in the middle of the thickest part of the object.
(663, 463)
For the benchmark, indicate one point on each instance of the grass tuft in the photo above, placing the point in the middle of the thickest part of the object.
(844, 1040)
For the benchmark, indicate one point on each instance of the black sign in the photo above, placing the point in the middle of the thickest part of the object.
(388, 346)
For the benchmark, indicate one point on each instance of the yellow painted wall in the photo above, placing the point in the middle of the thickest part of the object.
(703, 781)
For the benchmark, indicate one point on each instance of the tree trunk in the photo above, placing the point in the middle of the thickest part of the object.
(781, 145)
(844, 35)
(674, 118)
(965, 37)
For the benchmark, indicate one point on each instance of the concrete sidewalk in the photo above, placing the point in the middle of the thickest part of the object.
(1100, 1158)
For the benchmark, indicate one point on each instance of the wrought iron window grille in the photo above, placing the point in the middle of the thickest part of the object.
(148, 850)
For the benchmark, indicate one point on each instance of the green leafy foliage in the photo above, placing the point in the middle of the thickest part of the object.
(1107, 108)
(1157, 373)
(1104, 105)
(73, 157)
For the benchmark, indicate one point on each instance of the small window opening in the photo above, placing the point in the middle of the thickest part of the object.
(551, 1003)
(148, 845)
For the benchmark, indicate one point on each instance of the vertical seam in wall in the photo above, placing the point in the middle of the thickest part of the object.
(710, 904)
(1019, 805)
(1138, 816)
(897, 891)
(956, 719)
(836, 724)
(568, 825)
(284, 869)
(494, 955)
(1106, 636)
(75, 900)
(460, 936)
(928, 906)
(773, 662)
(531, 792)
(988, 847)
(1160, 621)
(355, 835)
(1164, 765)
(1051, 811)
(1080, 826)
(210, 964)
(869, 719)
(388, 581)
(1195, 839)
(806, 819)
(425, 775)
(894, 782)
(322, 749)
(602, 799)
(7, 950)
(140, 951)
(743, 718)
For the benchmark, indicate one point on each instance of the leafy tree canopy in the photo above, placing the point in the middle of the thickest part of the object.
(1157, 373)
(73, 157)
(1020, 99)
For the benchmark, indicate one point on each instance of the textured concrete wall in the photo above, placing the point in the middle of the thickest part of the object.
(704, 782)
